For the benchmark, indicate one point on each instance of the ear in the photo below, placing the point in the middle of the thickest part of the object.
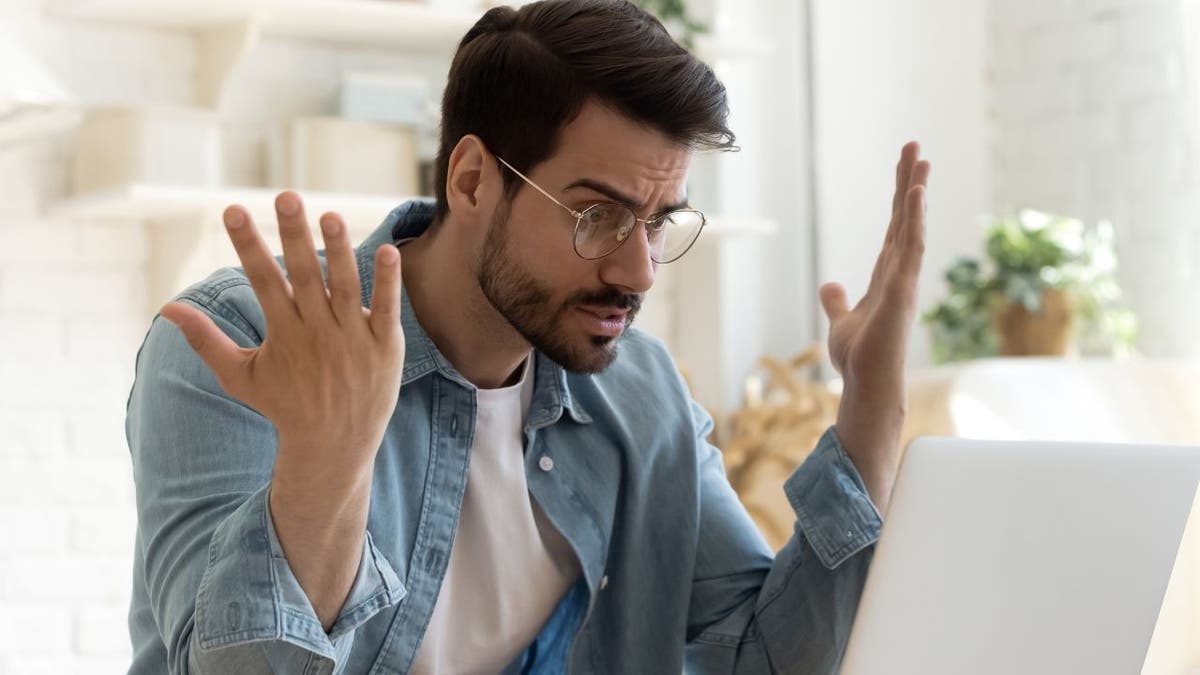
(472, 180)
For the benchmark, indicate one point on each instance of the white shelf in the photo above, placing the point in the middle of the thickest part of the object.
(396, 24)
(722, 226)
(383, 23)
(25, 124)
(228, 30)
(148, 202)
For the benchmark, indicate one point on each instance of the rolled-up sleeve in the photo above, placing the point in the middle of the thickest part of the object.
(793, 613)
(832, 506)
(248, 594)
(220, 590)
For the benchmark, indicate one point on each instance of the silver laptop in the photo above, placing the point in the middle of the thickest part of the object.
(1023, 558)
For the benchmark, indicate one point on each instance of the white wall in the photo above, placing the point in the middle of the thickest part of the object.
(886, 73)
(1096, 117)
(741, 298)
(71, 314)
(73, 310)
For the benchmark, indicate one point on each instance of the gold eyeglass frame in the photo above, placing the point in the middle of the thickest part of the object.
(621, 236)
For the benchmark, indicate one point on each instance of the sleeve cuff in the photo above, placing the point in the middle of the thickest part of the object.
(248, 592)
(832, 506)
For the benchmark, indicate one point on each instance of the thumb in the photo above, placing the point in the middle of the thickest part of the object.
(218, 351)
(833, 300)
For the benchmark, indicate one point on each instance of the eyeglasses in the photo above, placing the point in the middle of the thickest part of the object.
(601, 228)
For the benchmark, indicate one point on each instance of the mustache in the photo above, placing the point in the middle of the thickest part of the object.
(608, 297)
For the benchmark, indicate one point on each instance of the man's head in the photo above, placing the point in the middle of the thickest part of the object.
(593, 101)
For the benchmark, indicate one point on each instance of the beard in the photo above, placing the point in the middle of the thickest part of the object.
(529, 307)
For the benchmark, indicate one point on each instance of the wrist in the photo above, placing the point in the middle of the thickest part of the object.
(313, 488)
(870, 427)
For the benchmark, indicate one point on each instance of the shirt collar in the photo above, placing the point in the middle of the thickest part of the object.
(551, 393)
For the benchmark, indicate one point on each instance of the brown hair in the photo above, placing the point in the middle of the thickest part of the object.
(521, 75)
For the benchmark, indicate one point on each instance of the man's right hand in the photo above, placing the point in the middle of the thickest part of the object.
(327, 374)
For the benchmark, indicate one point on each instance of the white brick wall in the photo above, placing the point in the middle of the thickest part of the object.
(1096, 117)
(73, 310)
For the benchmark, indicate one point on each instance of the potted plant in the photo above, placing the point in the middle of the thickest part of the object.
(1048, 287)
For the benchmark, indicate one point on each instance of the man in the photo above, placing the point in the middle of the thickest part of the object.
(468, 462)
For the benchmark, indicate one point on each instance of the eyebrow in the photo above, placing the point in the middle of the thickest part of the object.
(617, 196)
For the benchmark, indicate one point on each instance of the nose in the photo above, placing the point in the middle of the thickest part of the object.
(630, 267)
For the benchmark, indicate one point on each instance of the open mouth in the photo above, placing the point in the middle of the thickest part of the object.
(606, 321)
(607, 313)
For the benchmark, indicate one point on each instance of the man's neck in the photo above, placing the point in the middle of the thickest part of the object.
(444, 292)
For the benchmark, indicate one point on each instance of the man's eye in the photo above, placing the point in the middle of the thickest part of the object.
(599, 214)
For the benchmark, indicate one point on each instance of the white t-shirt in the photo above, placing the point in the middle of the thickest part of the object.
(509, 566)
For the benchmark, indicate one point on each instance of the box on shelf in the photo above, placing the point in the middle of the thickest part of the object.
(387, 97)
(158, 145)
(331, 154)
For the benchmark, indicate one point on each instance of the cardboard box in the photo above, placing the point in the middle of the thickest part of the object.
(331, 154)
(161, 146)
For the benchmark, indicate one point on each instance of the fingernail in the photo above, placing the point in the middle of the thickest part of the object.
(286, 204)
(388, 256)
(329, 226)
(234, 220)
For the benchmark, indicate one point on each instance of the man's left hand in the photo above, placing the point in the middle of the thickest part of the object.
(868, 343)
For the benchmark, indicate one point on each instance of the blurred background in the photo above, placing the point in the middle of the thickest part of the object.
(1060, 296)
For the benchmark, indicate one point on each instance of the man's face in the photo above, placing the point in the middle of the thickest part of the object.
(573, 309)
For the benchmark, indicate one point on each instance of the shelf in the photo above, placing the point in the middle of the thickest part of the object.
(147, 202)
(394, 24)
(722, 226)
(381, 23)
(21, 125)
(228, 30)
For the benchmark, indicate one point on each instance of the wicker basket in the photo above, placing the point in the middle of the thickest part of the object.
(785, 413)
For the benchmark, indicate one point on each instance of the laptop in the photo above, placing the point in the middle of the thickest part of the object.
(1024, 557)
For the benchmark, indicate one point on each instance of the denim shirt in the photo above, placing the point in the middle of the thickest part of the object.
(675, 576)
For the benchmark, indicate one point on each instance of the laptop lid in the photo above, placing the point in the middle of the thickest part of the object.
(1023, 557)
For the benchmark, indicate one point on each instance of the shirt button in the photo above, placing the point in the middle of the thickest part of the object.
(546, 463)
(604, 582)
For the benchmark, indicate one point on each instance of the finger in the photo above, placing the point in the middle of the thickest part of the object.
(300, 258)
(345, 291)
(919, 179)
(385, 298)
(912, 240)
(833, 300)
(904, 172)
(920, 174)
(273, 291)
(218, 351)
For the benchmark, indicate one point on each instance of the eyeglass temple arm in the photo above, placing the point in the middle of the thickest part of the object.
(570, 210)
(535, 186)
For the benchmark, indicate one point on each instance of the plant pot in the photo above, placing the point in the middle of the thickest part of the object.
(1050, 332)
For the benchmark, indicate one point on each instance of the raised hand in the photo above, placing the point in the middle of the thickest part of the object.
(868, 343)
(327, 373)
